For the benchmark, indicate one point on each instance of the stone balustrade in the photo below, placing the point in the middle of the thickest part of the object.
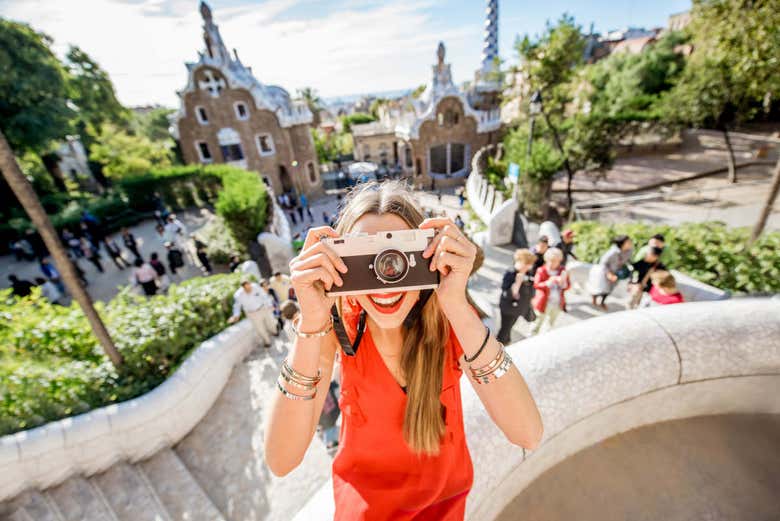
(489, 205)
(128, 431)
(600, 377)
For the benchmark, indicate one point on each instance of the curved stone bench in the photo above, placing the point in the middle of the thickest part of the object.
(608, 375)
(128, 431)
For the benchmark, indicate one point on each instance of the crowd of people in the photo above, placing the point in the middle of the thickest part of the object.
(91, 242)
(535, 287)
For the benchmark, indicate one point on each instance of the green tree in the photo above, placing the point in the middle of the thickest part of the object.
(122, 154)
(733, 68)
(33, 89)
(358, 118)
(313, 101)
(153, 124)
(92, 91)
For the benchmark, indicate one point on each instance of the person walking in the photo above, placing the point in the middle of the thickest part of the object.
(49, 291)
(643, 269)
(202, 254)
(258, 306)
(175, 259)
(115, 253)
(517, 289)
(130, 243)
(145, 276)
(20, 287)
(51, 273)
(281, 285)
(566, 245)
(542, 245)
(305, 205)
(176, 232)
(603, 277)
(91, 253)
(159, 267)
(551, 282)
(72, 242)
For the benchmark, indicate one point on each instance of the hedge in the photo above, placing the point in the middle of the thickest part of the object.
(133, 199)
(51, 366)
(710, 252)
(243, 204)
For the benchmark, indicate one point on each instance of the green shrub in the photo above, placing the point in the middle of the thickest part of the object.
(709, 252)
(220, 244)
(243, 204)
(51, 366)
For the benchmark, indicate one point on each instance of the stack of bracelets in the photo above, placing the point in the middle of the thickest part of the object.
(492, 370)
(292, 377)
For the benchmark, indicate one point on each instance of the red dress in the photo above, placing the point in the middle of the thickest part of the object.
(376, 476)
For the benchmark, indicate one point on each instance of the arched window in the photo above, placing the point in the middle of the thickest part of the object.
(312, 172)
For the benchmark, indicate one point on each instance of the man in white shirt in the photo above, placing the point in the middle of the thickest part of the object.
(176, 232)
(258, 307)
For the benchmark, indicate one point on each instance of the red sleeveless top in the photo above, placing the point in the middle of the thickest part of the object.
(376, 476)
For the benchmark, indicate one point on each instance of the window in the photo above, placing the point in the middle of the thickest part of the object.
(457, 157)
(241, 111)
(232, 153)
(203, 152)
(439, 159)
(265, 144)
(366, 152)
(418, 169)
(440, 118)
(312, 172)
(408, 151)
(200, 113)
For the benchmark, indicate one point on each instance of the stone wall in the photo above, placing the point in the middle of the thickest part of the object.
(489, 205)
(608, 375)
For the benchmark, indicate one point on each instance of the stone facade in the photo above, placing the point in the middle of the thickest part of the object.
(227, 116)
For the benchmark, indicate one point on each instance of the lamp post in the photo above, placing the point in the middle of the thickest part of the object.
(534, 109)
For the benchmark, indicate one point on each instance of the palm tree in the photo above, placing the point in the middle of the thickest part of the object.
(26, 195)
(313, 101)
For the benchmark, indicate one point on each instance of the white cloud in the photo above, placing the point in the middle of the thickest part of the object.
(143, 44)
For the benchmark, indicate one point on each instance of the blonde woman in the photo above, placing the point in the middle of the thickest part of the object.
(402, 449)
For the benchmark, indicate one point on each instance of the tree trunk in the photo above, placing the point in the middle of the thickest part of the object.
(566, 164)
(770, 202)
(732, 161)
(26, 195)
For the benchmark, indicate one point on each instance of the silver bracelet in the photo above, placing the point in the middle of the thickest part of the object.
(293, 396)
(500, 371)
(327, 329)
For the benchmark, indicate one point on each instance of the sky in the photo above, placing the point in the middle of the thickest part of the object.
(337, 47)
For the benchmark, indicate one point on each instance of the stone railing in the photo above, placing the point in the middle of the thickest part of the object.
(128, 431)
(489, 205)
(600, 377)
(277, 240)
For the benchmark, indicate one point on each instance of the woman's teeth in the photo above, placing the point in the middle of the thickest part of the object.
(386, 301)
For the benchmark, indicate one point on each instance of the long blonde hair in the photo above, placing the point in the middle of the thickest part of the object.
(423, 351)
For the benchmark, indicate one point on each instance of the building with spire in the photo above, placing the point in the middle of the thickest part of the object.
(227, 116)
(433, 138)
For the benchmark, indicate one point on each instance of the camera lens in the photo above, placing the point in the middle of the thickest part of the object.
(391, 266)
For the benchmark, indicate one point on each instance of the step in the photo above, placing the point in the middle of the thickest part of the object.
(182, 495)
(129, 494)
(80, 500)
(35, 506)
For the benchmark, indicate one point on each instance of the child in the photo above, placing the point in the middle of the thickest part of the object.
(517, 288)
(550, 281)
(664, 289)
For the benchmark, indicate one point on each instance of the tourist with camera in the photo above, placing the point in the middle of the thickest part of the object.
(392, 304)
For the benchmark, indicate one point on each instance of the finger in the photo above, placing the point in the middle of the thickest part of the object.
(315, 234)
(321, 247)
(435, 222)
(313, 275)
(319, 260)
(451, 245)
(447, 262)
(449, 230)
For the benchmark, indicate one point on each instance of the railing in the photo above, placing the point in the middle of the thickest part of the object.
(488, 203)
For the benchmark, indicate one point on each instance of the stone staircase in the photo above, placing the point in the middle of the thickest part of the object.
(215, 473)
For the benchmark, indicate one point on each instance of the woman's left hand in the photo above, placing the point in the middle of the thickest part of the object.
(453, 254)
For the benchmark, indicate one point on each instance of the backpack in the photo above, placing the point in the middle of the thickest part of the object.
(176, 259)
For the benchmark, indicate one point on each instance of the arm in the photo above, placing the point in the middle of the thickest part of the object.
(540, 282)
(291, 423)
(507, 400)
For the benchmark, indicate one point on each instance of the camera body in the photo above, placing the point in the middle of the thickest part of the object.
(384, 262)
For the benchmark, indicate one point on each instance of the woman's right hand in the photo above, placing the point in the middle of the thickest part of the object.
(314, 271)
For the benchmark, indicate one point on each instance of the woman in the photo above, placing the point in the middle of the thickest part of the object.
(603, 276)
(145, 276)
(402, 449)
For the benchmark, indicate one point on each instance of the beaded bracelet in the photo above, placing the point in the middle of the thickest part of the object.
(293, 396)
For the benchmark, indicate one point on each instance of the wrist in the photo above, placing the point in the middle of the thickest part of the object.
(311, 323)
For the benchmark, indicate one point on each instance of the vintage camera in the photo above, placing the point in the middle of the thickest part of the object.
(384, 262)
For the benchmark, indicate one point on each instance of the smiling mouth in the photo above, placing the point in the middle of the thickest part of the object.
(387, 302)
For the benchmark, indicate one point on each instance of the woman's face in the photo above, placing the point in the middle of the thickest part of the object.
(627, 245)
(387, 309)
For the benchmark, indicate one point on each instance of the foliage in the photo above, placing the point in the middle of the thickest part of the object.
(243, 204)
(220, 244)
(417, 92)
(34, 170)
(357, 118)
(313, 101)
(51, 366)
(122, 154)
(33, 89)
(709, 252)
(92, 92)
(734, 64)
(153, 125)
(331, 146)
(544, 162)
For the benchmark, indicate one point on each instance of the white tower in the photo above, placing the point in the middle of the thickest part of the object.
(490, 47)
